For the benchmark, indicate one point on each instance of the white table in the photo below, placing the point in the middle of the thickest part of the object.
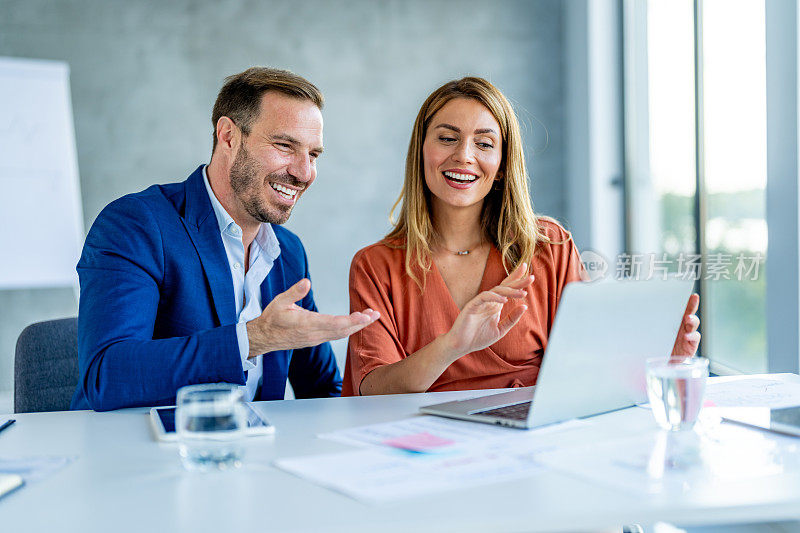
(124, 481)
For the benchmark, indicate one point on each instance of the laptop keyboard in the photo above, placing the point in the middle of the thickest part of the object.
(517, 411)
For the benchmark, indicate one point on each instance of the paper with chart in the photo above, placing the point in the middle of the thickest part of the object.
(41, 218)
(755, 391)
(378, 475)
(425, 455)
(441, 431)
(432, 433)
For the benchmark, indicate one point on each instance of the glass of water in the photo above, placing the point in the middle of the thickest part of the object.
(210, 421)
(675, 388)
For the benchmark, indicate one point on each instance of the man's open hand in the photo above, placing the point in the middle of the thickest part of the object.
(284, 325)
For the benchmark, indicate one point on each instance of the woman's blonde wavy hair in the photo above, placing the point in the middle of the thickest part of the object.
(508, 220)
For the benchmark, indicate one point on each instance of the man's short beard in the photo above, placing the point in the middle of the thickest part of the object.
(247, 186)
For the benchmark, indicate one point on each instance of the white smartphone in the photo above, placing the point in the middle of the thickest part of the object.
(163, 422)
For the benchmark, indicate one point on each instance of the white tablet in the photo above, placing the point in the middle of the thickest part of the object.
(163, 421)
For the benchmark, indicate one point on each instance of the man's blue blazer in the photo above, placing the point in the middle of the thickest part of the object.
(157, 307)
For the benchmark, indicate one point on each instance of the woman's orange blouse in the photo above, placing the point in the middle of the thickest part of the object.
(411, 319)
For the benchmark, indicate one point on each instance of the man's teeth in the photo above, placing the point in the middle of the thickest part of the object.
(284, 191)
(460, 177)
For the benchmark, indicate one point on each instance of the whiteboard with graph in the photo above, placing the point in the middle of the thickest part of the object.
(41, 220)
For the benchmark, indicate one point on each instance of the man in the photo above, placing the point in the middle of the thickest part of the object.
(196, 282)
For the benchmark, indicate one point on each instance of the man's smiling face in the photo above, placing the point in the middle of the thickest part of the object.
(277, 160)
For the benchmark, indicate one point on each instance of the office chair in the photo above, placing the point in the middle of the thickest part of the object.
(46, 366)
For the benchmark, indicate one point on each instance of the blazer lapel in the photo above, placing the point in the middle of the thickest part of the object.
(202, 227)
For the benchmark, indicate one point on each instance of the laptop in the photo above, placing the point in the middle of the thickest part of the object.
(595, 358)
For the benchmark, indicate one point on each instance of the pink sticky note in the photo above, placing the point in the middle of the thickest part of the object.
(709, 403)
(418, 442)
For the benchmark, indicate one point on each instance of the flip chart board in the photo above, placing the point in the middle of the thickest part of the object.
(41, 220)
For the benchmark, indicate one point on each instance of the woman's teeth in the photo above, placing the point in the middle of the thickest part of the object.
(466, 178)
(287, 193)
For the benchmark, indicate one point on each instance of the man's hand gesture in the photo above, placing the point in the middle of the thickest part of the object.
(284, 325)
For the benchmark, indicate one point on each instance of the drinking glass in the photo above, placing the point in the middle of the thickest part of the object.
(675, 388)
(210, 421)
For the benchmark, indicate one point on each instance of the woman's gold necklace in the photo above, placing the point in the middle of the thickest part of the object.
(464, 252)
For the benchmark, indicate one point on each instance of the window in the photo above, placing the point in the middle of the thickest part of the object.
(696, 149)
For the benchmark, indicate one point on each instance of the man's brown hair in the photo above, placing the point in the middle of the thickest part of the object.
(240, 97)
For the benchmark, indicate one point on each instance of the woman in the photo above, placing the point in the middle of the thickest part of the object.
(468, 281)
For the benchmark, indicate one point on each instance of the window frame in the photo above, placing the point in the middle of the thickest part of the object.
(783, 194)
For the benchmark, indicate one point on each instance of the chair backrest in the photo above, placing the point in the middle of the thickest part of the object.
(46, 366)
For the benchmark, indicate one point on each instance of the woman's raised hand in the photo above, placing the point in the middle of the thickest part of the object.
(688, 339)
(491, 314)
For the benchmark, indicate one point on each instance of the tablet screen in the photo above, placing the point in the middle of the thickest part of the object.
(167, 417)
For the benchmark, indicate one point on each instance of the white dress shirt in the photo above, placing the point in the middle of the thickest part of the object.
(264, 249)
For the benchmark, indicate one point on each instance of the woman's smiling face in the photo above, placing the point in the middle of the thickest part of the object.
(461, 153)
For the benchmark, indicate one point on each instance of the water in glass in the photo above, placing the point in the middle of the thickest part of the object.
(675, 388)
(210, 422)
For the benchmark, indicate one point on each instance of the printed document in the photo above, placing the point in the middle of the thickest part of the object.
(703, 461)
(443, 430)
(430, 433)
(424, 455)
(377, 475)
(754, 391)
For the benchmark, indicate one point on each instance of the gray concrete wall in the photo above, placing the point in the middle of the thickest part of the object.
(145, 75)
